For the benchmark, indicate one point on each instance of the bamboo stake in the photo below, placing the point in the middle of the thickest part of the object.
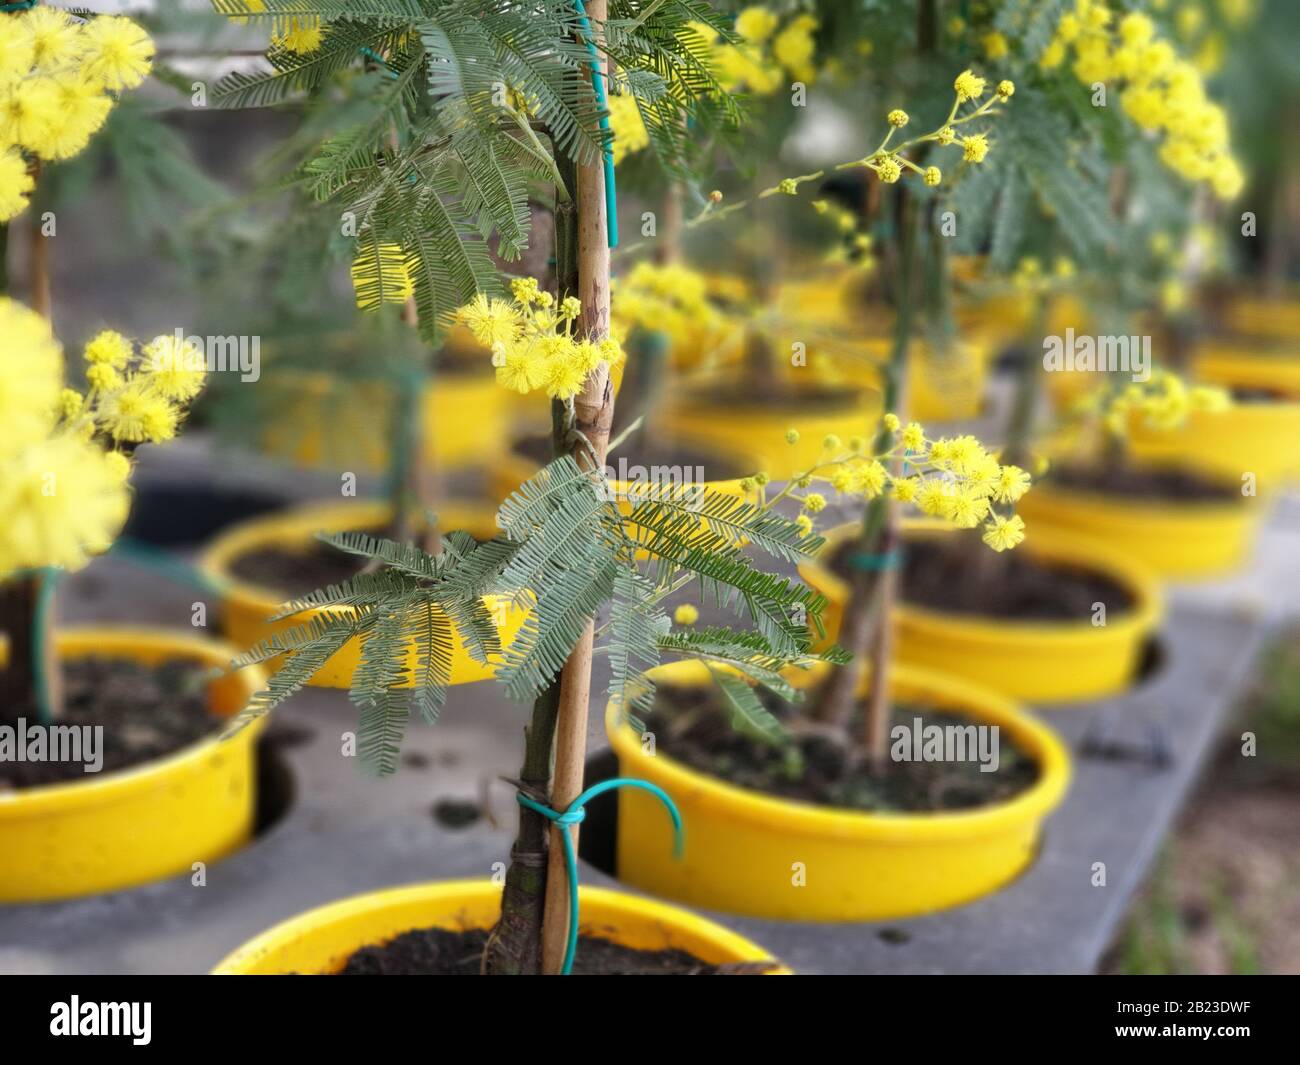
(594, 416)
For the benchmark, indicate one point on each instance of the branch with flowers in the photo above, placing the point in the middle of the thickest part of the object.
(65, 462)
(888, 161)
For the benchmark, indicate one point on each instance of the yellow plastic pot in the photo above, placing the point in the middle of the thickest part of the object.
(322, 421)
(1260, 438)
(1273, 318)
(1037, 661)
(744, 849)
(116, 830)
(759, 429)
(1244, 365)
(1171, 540)
(319, 942)
(938, 389)
(245, 607)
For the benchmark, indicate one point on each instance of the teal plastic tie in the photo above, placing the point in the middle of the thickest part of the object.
(575, 815)
(876, 561)
(607, 152)
(49, 579)
(374, 56)
(17, 5)
(166, 564)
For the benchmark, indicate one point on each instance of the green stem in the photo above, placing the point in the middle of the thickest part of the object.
(836, 700)
(1029, 384)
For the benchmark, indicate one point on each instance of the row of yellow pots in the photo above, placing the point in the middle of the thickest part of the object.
(762, 856)
(198, 805)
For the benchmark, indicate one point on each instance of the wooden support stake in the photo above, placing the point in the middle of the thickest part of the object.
(594, 410)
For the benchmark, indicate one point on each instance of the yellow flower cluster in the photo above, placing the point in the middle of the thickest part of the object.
(58, 80)
(670, 299)
(952, 478)
(532, 340)
(63, 475)
(769, 53)
(1161, 91)
(889, 163)
(626, 124)
(1163, 402)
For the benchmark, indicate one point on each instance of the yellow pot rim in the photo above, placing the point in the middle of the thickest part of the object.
(788, 815)
(126, 641)
(298, 525)
(1163, 509)
(435, 892)
(1142, 586)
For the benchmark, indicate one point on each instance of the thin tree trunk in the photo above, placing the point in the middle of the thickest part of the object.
(18, 597)
(870, 589)
(515, 946)
(417, 488)
(1029, 387)
(594, 416)
(39, 252)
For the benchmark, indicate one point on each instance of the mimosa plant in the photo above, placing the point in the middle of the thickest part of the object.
(518, 96)
(65, 455)
(1113, 88)
(65, 460)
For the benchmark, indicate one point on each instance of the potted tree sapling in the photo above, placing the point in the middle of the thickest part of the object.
(111, 773)
(824, 813)
(1026, 625)
(566, 550)
(477, 172)
(1169, 150)
(1100, 202)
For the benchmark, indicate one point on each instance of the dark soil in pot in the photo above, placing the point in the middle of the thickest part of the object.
(957, 574)
(294, 572)
(1260, 395)
(691, 726)
(1158, 484)
(146, 712)
(443, 952)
